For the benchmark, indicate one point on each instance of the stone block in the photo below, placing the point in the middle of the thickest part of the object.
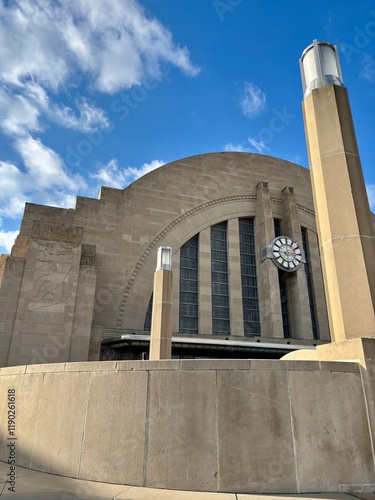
(329, 446)
(114, 440)
(60, 423)
(215, 364)
(27, 391)
(90, 366)
(46, 368)
(254, 429)
(12, 370)
(182, 431)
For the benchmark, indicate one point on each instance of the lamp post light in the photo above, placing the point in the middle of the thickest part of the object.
(161, 323)
(344, 221)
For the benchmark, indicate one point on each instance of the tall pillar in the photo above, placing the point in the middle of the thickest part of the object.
(234, 275)
(345, 227)
(176, 292)
(161, 323)
(318, 287)
(268, 276)
(300, 317)
(84, 306)
(204, 283)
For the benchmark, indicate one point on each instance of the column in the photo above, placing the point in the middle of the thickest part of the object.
(176, 292)
(84, 307)
(161, 324)
(317, 281)
(204, 283)
(234, 279)
(300, 317)
(268, 277)
(345, 227)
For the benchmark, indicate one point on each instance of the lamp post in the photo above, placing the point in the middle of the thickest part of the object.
(161, 323)
(344, 222)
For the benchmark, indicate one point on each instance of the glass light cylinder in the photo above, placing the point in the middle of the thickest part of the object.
(320, 66)
(164, 259)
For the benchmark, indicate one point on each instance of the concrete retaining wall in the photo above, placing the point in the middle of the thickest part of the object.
(210, 425)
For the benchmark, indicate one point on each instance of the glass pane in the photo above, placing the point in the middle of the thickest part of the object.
(219, 289)
(219, 266)
(220, 300)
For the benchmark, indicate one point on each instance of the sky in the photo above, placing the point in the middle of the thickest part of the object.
(100, 92)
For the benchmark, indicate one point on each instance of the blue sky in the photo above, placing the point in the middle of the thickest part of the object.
(100, 92)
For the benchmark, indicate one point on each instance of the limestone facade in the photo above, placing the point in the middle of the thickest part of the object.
(76, 276)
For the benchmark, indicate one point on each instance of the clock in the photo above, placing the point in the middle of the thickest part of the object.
(286, 254)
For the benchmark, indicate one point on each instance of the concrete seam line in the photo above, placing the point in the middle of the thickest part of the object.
(217, 437)
(84, 426)
(367, 413)
(292, 429)
(145, 454)
(37, 420)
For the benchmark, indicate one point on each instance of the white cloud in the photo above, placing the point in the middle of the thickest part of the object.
(7, 239)
(114, 42)
(43, 181)
(371, 195)
(50, 54)
(368, 69)
(19, 115)
(259, 146)
(47, 47)
(252, 100)
(255, 145)
(89, 119)
(44, 166)
(111, 175)
(236, 147)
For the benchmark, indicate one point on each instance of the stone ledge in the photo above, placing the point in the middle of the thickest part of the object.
(187, 365)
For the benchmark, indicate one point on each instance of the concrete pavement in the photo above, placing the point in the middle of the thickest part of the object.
(34, 485)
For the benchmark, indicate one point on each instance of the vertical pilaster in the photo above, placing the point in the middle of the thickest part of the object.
(204, 276)
(268, 277)
(234, 278)
(84, 307)
(300, 317)
(176, 292)
(9, 298)
(318, 287)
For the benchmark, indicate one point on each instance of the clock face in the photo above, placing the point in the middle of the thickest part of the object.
(286, 254)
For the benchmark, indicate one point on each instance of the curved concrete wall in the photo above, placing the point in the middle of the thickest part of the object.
(228, 425)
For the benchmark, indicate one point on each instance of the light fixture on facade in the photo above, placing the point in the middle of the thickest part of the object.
(320, 66)
(164, 259)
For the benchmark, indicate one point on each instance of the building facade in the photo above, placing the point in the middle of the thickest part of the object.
(78, 283)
